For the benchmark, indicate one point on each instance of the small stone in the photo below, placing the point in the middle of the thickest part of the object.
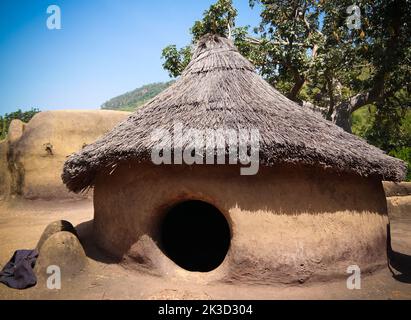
(55, 227)
(62, 249)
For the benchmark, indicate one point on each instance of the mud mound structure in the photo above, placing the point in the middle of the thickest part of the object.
(33, 154)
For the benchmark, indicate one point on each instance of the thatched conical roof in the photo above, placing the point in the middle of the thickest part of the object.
(220, 89)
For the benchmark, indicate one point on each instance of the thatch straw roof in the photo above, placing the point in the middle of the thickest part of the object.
(220, 89)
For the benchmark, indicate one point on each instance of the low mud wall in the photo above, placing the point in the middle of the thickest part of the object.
(398, 199)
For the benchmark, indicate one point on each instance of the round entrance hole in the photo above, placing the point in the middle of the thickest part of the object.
(195, 235)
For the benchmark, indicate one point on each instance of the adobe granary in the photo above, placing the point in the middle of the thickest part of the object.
(315, 207)
(33, 154)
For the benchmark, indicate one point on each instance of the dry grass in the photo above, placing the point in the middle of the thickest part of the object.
(221, 90)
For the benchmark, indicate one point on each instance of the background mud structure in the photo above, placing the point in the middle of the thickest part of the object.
(32, 156)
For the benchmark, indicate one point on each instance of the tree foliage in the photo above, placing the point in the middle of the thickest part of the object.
(131, 100)
(308, 51)
(219, 19)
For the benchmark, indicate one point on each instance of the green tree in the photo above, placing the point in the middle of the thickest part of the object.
(218, 19)
(306, 50)
(389, 127)
(309, 50)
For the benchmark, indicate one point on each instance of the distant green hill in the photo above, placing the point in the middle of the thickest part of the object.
(130, 101)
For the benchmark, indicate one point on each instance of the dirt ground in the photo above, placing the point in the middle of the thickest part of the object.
(22, 222)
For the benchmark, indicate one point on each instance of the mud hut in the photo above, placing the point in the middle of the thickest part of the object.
(315, 206)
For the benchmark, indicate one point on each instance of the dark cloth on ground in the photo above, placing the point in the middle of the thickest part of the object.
(18, 273)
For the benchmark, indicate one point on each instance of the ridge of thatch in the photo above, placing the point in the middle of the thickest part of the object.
(220, 89)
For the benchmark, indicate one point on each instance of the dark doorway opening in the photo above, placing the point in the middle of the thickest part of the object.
(196, 236)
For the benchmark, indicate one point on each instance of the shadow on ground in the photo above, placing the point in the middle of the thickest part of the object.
(85, 233)
(398, 263)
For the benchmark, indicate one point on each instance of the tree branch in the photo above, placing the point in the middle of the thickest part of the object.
(342, 115)
(299, 81)
(256, 41)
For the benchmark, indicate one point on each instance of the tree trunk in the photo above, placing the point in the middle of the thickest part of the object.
(342, 113)
(299, 82)
(342, 116)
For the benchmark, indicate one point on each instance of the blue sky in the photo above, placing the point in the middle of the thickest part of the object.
(105, 48)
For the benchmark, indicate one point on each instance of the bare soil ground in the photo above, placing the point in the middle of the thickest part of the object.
(22, 222)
